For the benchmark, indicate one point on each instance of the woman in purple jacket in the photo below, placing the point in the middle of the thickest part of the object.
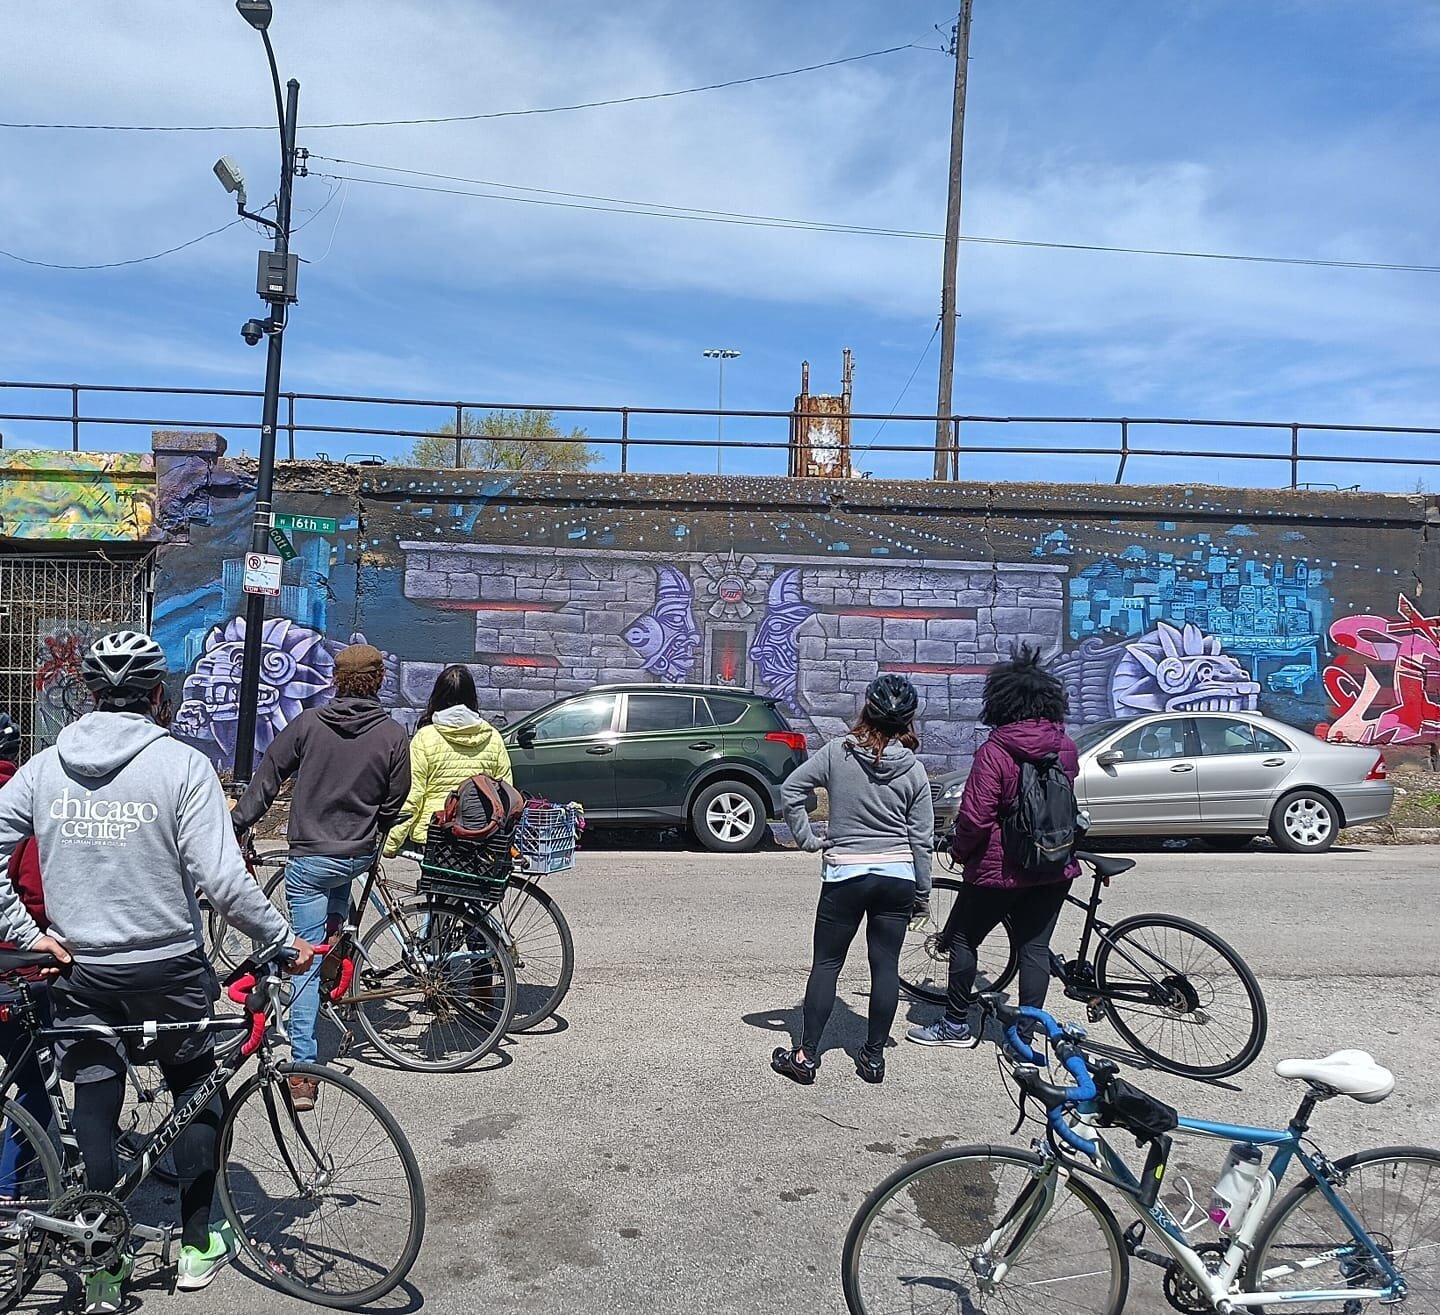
(1026, 706)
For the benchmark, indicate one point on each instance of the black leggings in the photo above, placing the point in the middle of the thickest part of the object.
(885, 904)
(1033, 912)
(97, 1121)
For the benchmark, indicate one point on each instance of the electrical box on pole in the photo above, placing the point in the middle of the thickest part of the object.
(278, 277)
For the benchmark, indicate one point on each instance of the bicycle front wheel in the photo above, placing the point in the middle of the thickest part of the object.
(327, 1204)
(925, 969)
(542, 949)
(984, 1229)
(29, 1181)
(434, 989)
(1394, 1193)
(1180, 995)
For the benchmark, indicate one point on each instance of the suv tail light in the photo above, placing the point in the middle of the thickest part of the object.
(792, 740)
(1378, 772)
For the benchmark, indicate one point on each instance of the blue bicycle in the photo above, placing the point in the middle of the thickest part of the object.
(988, 1229)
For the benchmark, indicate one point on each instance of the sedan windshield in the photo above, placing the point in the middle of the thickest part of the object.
(1098, 731)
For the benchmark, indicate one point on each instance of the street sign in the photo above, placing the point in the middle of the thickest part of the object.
(283, 546)
(307, 524)
(262, 574)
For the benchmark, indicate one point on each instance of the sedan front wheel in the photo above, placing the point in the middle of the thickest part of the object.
(1305, 822)
(728, 817)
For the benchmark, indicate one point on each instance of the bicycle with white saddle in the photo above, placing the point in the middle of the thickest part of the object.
(986, 1229)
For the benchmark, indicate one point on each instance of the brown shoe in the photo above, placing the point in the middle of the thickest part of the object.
(303, 1092)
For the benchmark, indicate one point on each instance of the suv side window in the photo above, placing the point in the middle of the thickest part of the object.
(582, 719)
(659, 712)
(1154, 743)
(1221, 735)
(726, 712)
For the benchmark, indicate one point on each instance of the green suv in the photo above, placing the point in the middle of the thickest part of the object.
(712, 757)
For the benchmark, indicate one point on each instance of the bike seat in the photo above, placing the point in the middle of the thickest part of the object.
(1105, 867)
(1352, 1073)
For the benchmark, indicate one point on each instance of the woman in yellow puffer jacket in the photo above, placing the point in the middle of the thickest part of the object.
(452, 743)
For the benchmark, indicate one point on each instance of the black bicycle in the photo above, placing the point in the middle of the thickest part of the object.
(1178, 994)
(327, 1205)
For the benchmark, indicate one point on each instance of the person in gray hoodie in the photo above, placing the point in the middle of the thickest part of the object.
(128, 821)
(875, 865)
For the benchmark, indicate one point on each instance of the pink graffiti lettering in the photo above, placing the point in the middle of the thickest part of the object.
(1410, 648)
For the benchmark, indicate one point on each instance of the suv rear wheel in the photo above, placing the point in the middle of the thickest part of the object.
(728, 817)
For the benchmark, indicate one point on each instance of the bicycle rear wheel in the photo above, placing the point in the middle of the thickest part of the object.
(1394, 1192)
(542, 949)
(434, 989)
(329, 1204)
(925, 970)
(228, 946)
(1180, 995)
(933, 1235)
(29, 1180)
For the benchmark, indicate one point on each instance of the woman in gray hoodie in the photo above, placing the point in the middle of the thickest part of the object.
(875, 865)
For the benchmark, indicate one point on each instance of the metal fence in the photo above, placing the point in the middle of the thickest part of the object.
(641, 439)
(51, 607)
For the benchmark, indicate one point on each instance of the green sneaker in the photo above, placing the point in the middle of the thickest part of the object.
(198, 1267)
(103, 1295)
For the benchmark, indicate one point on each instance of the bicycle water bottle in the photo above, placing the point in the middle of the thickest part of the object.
(1235, 1188)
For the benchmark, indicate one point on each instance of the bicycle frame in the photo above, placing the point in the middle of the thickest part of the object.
(1287, 1144)
(1096, 928)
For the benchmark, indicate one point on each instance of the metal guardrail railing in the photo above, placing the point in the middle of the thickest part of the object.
(1298, 444)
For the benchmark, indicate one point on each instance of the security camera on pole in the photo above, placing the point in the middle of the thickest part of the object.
(276, 286)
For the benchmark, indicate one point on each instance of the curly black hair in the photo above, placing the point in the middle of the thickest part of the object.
(1022, 690)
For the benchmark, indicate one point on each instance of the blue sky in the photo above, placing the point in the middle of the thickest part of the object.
(1294, 127)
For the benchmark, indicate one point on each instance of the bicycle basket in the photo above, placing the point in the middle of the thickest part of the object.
(546, 838)
(1124, 1106)
(479, 869)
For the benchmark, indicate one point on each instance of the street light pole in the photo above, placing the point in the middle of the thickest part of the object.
(720, 354)
(277, 287)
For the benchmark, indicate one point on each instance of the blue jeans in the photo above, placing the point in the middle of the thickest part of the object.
(317, 889)
(16, 1153)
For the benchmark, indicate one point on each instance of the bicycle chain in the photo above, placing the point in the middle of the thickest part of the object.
(107, 1228)
(1180, 1289)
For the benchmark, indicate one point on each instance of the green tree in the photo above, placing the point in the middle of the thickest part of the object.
(507, 440)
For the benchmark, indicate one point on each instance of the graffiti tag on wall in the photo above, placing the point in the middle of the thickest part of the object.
(77, 495)
(1388, 692)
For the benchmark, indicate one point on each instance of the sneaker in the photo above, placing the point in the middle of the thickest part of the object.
(303, 1091)
(103, 1289)
(942, 1032)
(198, 1267)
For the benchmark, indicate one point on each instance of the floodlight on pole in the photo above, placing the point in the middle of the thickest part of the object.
(720, 354)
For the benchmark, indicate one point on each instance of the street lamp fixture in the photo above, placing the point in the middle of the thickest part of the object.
(720, 354)
(257, 13)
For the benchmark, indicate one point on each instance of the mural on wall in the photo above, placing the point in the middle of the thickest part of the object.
(61, 695)
(666, 637)
(1385, 681)
(776, 650)
(1167, 670)
(47, 495)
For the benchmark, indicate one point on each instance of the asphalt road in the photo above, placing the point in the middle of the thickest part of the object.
(643, 1157)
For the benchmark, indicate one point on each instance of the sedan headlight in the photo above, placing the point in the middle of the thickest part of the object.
(951, 793)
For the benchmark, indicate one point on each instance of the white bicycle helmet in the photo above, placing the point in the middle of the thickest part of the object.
(9, 737)
(123, 666)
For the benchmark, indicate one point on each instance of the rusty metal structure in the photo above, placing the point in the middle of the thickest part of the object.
(820, 428)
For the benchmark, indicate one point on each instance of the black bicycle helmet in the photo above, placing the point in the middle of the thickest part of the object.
(9, 738)
(890, 702)
(123, 667)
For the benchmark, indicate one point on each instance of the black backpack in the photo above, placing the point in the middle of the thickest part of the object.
(1038, 829)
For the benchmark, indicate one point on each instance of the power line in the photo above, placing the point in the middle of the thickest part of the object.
(665, 210)
(116, 264)
(465, 118)
(930, 342)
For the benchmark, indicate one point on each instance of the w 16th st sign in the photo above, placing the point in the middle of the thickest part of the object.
(307, 524)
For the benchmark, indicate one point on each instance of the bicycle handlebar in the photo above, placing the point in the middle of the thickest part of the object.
(1056, 1099)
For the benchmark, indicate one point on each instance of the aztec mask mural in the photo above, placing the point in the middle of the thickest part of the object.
(776, 650)
(666, 636)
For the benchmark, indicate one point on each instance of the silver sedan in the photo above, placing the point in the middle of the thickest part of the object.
(1228, 777)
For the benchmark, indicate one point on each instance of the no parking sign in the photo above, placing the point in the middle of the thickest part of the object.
(262, 574)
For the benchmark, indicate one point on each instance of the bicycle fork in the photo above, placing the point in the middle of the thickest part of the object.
(1030, 1208)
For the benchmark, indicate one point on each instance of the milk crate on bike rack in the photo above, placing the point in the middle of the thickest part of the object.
(546, 838)
(471, 869)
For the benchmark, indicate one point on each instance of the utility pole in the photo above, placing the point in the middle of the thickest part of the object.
(276, 285)
(945, 403)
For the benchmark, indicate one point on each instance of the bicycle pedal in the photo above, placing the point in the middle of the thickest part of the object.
(1094, 1012)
